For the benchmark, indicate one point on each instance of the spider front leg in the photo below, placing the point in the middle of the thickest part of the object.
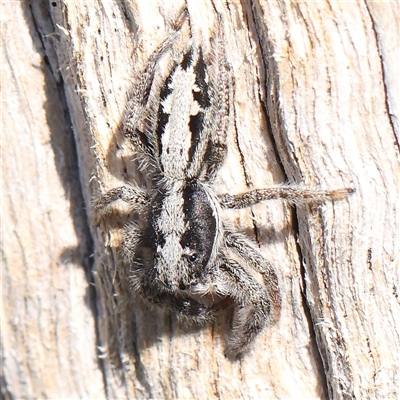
(253, 305)
(245, 249)
(176, 301)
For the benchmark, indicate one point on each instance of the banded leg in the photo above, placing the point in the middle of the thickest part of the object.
(253, 305)
(134, 239)
(292, 194)
(133, 195)
(177, 302)
(251, 256)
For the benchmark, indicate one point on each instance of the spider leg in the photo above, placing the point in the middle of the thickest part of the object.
(130, 194)
(291, 194)
(248, 253)
(253, 304)
(176, 301)
(134, 237)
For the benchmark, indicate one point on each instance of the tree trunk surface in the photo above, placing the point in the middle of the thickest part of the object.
(316, 102)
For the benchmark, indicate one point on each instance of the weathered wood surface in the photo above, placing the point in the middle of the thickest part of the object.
(316, 102)
(47, 323)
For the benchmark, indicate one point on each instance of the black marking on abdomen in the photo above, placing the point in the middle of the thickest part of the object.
(202, 96)
(163, 117)
(187, 60)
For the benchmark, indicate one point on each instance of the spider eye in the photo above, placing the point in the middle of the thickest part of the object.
(192, 256)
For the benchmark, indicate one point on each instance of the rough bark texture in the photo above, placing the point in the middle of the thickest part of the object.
(316, 102)
(48, 321)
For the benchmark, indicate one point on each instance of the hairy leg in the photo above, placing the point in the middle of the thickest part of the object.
(252, 304)
(251, 256)
(292, 194)
(133, 195)
(177, 301)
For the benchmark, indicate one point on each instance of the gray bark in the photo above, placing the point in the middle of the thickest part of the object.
(316, 102)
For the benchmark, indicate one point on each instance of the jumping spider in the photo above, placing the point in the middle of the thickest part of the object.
(179, 256)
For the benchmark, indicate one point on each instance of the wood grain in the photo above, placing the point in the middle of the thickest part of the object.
(314, 104)
(48, 329)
